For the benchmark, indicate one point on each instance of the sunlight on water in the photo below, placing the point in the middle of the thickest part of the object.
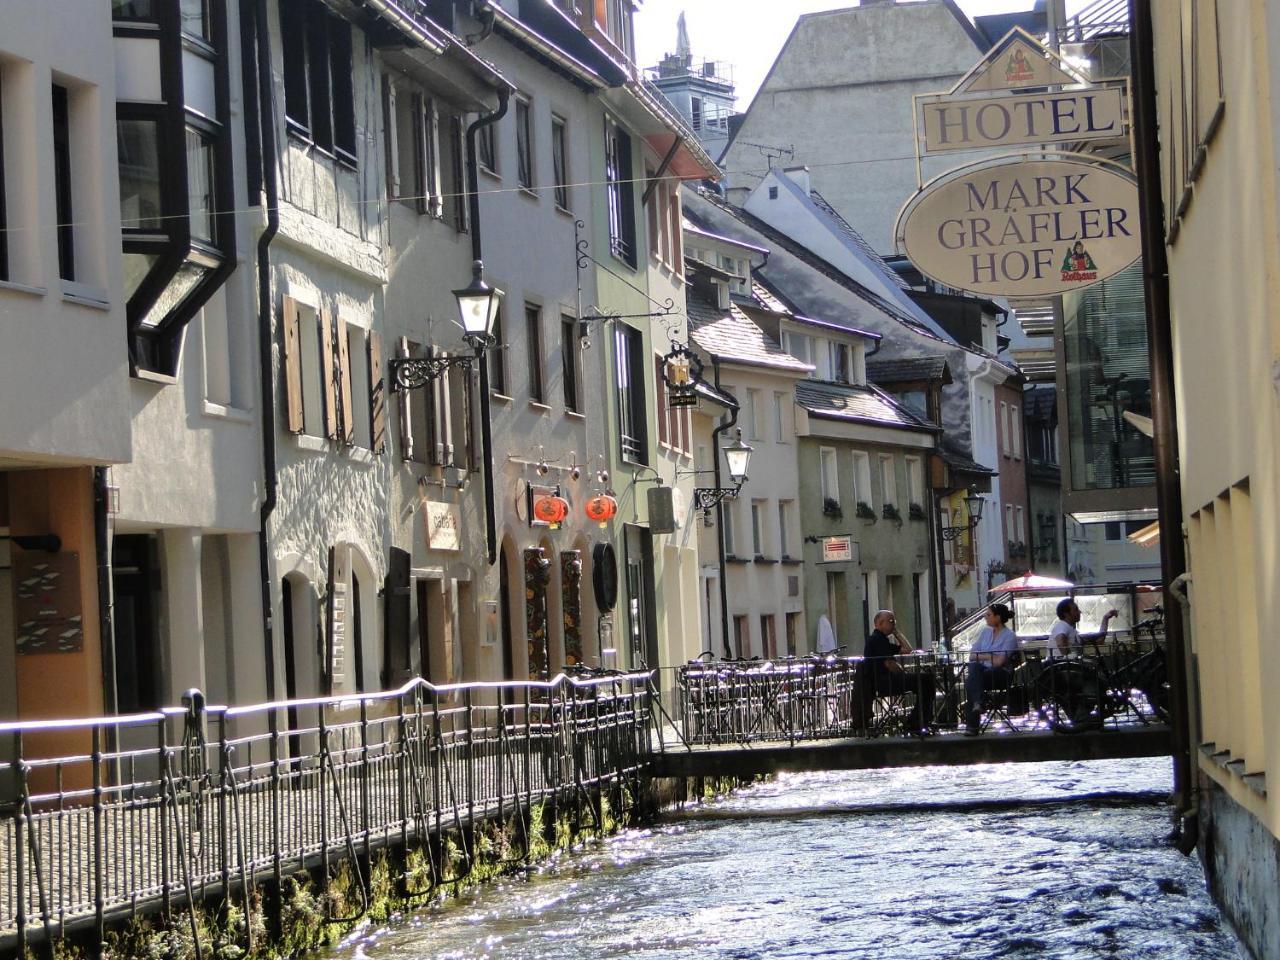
(1034, 860)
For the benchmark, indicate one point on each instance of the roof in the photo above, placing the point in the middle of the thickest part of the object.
(730, 335)
(702, 231)
(710, 269)
(908, 369)
(766, 299)
(961, 462)
(767, 295)
(853, 236)
(713, 393)
(841, 401)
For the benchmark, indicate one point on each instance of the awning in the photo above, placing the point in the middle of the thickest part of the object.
(1148, 536)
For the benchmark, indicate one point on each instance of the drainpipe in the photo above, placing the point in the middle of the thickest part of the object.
(1163, 404)
(486, 426)
(715, 455)
(266, 373)
(102, 550)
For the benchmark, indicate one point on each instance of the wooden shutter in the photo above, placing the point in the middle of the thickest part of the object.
(406, 418)
(390, 138)
(660, 399)
(328, 383)
(419, 154)
(292, 365)
(433, 159)
(433, 393)
(347, 420)
(377, 395)
(396, 620)
(685, 418)
(336, 622)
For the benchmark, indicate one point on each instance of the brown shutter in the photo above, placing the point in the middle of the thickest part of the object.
(686, 428)
(377, 395)
(433, 394)
(406, 420)
(419, 154)
(292, 365)
(390, 144)
(348, 422)
(328, 385)
(472, 459)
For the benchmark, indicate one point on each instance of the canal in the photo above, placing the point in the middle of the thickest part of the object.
(1027, 860)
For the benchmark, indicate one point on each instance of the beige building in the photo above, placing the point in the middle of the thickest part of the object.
(1216, 87)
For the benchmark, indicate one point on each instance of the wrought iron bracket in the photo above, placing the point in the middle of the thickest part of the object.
(410, 373)
(708, 497)
(954, 533)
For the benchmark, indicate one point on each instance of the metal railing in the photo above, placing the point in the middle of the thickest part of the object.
(1111, 685)
(119, 816)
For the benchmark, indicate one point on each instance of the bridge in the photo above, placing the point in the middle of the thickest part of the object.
(109, 818)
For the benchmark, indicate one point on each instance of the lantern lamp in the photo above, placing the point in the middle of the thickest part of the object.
(602, 508)
(478, 307)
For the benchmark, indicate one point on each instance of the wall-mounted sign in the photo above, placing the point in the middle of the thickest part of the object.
(1029, 228)
(1021, 119)
(837, 549)
(1017, 61)
(443, 524)
(47, 611)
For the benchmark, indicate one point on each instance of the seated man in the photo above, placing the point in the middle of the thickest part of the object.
(990, 663)
(889, 677)
(1064, 638)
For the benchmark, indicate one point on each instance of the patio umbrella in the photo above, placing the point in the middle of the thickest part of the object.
(1031, 581)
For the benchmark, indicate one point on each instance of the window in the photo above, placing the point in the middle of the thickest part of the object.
(741, 272)
(830, 475)
(1008, 523)
(915, 481)
(200, 196)
(313, 364)
(780, 405)
(727, 512)
(757, 526)
(751, 414)
(676, 226)
(133, 10)
(569, 347)
(695, 113)
(4, 223)
(319, 100)
(560, 161)
(355, 371)
(138, 147)
(1004, 428)
(524, 143)
(741, 635)
(1020, 518)
(496, 356)
(793, 632)
(862, 478)
(195, 18)
(784, 527)
(455, 175)
(533, 343)
(62, 183)
(486, 148)
(840, 362)
(1015, 431)
(620, 193)
(888, 480)
(768, 636)
(412, 131)
(631, 374)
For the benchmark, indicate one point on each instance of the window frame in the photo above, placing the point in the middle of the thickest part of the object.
(497, 356)
(560, 161)
(620, 192)
(757, 527)
(4, 211)
(828, 459)
(889, 481)
(333, 87)
(64, 192)
(526, 174)
(571, 364)
(534, 352)
(630, 376)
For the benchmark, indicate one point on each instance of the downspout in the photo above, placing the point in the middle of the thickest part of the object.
(102, 550)
(486, 426)
(1155, 264)
(266, 373)
(715, 459)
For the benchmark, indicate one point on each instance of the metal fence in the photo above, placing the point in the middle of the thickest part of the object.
(122, 815)
(1117, 684)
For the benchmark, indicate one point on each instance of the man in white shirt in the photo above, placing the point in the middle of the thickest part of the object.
(1064, 638)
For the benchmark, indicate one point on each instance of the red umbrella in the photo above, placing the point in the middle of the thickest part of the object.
(1031, 581)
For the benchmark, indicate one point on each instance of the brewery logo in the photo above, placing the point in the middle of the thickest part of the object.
(1019, 68)
(1078, 266)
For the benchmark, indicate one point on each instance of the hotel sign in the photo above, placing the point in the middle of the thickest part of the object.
(1021, 119)
(1031, 228)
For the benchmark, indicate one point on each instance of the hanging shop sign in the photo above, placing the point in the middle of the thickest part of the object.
(1023, 227)
(1019, 60)
(837, 549)
(443, 523)
(1021, 119)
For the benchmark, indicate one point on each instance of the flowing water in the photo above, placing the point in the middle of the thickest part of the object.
(1036, 861)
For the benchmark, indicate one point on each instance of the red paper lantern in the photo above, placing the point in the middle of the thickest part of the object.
(551, 510)
(602, 509)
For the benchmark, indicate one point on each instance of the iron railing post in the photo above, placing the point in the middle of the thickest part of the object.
(99, 898)
(471, 760)
(163, 756)
(277, 864)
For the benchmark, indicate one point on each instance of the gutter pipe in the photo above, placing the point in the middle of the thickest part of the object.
(1155, 265)
(715, 454)
(266, 372)
(473, 211)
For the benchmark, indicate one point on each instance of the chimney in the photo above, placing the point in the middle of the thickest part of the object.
(799, 176)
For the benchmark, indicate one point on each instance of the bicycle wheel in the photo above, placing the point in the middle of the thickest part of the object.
(1070, 693)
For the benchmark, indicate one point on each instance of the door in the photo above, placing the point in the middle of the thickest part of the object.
(641, 630)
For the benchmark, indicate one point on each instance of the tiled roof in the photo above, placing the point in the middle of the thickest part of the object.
(908, 369)
(730, 335)
(841, 401)
(766, 299)
(710, 269)
(857, 239)
(961, 462)
(713, 393)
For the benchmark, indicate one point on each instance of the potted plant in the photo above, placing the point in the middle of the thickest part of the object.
(915, 511)
(864, 511)
(831, 508)
(890, 512)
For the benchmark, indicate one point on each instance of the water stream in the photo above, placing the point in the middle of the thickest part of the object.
(1023, 860)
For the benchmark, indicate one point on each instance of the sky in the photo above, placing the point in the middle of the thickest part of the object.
(746, 33)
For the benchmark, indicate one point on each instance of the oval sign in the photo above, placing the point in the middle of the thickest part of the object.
(1028, 229)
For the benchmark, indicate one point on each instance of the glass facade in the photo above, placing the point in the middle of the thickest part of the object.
(1108, 384)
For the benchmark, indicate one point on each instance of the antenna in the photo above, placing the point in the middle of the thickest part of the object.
(770, 151)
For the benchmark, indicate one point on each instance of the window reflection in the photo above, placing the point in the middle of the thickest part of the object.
(138, 143)
(200, 185)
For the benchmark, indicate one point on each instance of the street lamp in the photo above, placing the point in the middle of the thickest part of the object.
(738, 456)
(974, 502)
(478, 305)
